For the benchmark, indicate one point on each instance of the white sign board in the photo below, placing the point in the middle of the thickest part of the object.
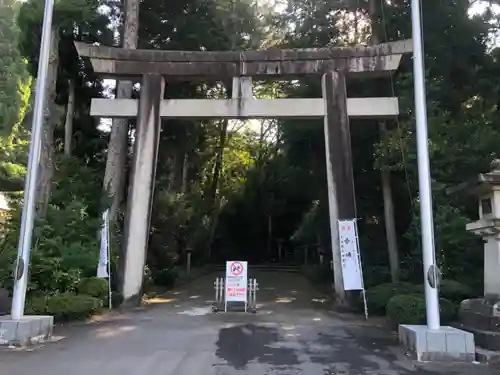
(236, 281)
(352, 273)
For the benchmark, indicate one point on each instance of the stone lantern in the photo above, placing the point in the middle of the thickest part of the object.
(482, 315)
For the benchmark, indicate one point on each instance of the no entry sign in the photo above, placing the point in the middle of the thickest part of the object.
(236, 281)
(236, 268)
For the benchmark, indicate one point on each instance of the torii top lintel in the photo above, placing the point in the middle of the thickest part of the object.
(372, 60)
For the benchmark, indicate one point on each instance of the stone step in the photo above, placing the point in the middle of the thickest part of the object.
(265, 267)
(489, 340)
(489, 357)
(479, 321)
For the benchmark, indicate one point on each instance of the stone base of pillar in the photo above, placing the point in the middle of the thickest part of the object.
(29, 330)
(446, 344)
(481, 316)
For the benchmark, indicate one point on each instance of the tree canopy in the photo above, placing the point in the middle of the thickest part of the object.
(255, 190)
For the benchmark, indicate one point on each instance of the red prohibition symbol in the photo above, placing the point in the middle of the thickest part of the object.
(236, 268)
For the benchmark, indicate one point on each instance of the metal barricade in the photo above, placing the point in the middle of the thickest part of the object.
(220, 295)
(253, 287)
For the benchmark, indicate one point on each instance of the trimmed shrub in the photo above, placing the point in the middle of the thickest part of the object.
(165, 278)
(452, 290)
(324, 274)
(376, 275)
(378, 296)
(455, 291)
(94, 287)
(148, 283)
(65, 306)
(410, 309)
(116, 299)
(318, 274)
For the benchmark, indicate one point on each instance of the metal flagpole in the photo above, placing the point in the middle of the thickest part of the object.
(424, 179)
(29, 203)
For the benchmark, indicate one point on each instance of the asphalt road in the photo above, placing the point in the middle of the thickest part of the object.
(294, 332)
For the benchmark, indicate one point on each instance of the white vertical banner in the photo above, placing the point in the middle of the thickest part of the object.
(352, 270)
(352, 273)
(103, 266)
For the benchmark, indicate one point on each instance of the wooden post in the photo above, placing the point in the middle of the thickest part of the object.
(188, 263)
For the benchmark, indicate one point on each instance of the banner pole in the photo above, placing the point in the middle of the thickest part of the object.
(110, 305)
(361, 268)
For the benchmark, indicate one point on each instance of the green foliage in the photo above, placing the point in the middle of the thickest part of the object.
(65, 241)
(410, 309)
(378, 274)
(14, 77)
(455, 291)
(147, 280)
(15, 90)
(165, 278)
(378, 296)
(64, 306)
(94, 287)
(452, 290)
(459, 253)
(319, 274)
(73, 19)
(66, 248)
(310, 223)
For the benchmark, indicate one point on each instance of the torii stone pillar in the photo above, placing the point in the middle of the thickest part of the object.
(340, 177)
(141, 187)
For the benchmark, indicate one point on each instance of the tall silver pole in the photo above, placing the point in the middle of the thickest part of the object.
(424, 177)
(29, 204)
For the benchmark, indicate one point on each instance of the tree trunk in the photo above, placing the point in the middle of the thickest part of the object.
(390, 223)
(269, 234)
(215, 221)
(185, 173)
(114, 176)
(50, 116)
(218, 163)
(178, 165)
(212, 191)
(214, 204)
(70, 112)
(385, 178)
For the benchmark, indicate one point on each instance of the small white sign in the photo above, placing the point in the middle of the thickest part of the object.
(236, 281)
(352, 272)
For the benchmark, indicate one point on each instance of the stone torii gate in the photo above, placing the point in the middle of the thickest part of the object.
(153, 67)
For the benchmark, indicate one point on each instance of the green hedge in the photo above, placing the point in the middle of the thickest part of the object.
(165, 277)
(410, 309)
(455, 291)
(318, 274)
(65, 306)
(378, 296)
(94, 287)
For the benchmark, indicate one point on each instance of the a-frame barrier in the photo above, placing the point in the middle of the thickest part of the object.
(153, 67)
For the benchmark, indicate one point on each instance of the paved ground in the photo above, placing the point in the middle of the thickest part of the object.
(293, 333)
